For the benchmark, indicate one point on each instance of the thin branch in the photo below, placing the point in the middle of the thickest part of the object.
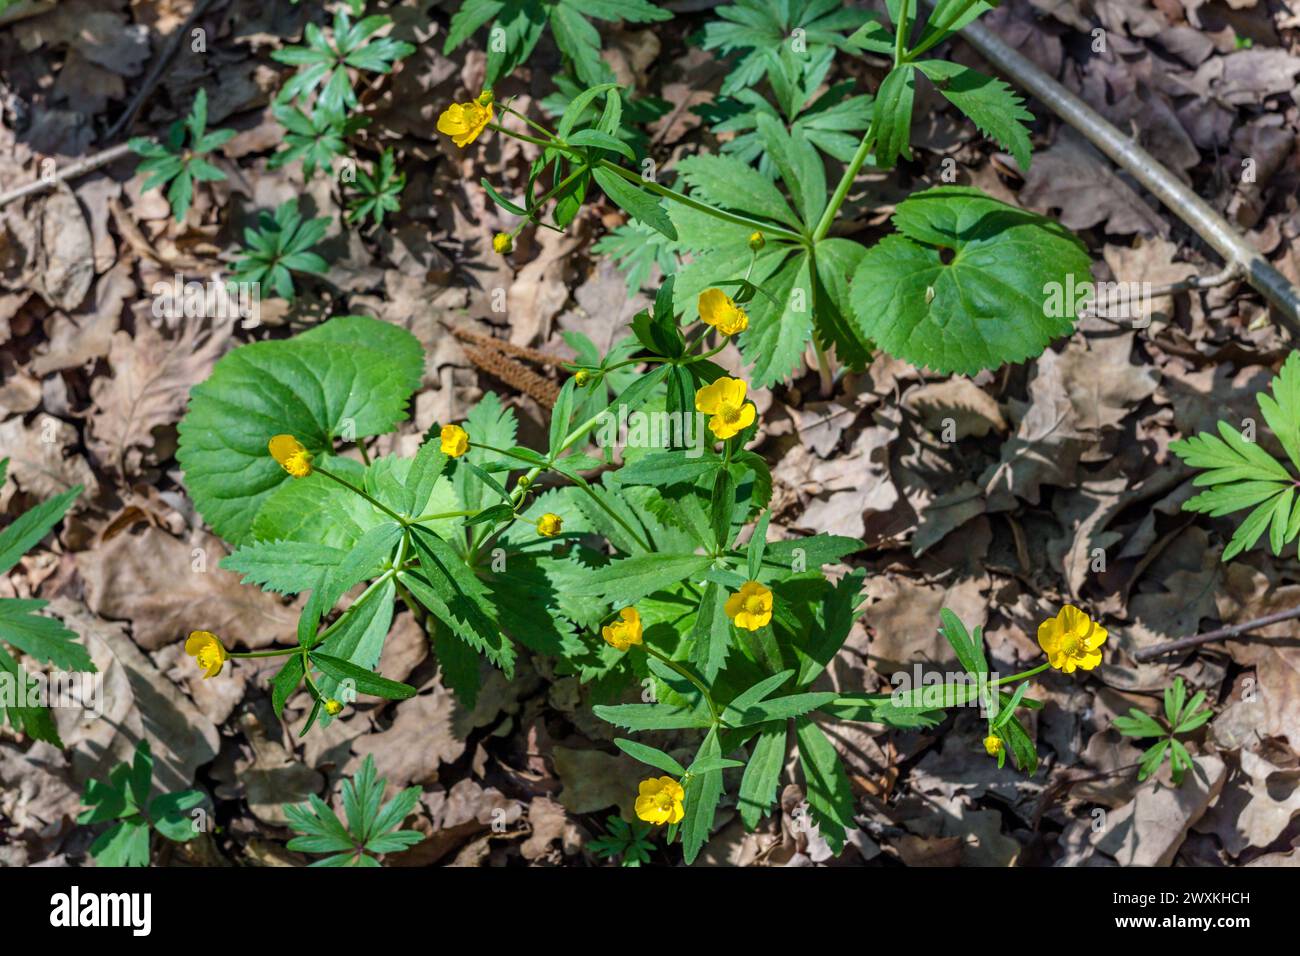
(1143, 167)
(1222, 634)
(113, 153)
(156, 71)
(71, 171)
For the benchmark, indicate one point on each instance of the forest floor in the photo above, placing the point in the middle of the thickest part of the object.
(1058, 488)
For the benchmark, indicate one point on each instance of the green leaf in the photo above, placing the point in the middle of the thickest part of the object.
(999, 298)
(731, 184)
(626, 581)
(762, 774)
(649, 717)
(31, 526)
(893, 115)
(1138, 724)
(778, 708)
(365, 681)
(651, 756)
(830, 797)
(703, 791)
(990, 104)
(712, 632)
(640, 205)
(42, 638)
(355, 378)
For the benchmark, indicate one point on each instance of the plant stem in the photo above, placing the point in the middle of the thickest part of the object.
(1021, 676)
(846, 181)
(699, 685)
(938, 35)
(900, 33)
(278, 652)
(502, 451)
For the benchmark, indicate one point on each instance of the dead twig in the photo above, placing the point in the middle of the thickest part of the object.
(1222, 634)
(113, 153)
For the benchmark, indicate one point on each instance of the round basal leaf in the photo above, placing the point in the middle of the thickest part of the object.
(968, 283)
(348, 378)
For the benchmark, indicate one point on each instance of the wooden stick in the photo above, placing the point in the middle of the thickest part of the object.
(1222, 634)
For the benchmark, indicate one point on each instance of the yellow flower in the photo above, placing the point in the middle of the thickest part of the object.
(502, 243)
(992, 745)
(581, 378)
(205, 647)
(718, 310)
(290, 453)
(750, 607)
(333, 707)
(455, 440)
(464, 121)
(756, 241)
(549, 525)
(1071, 639)
(659, 801)
(624, 633)
(725, 401)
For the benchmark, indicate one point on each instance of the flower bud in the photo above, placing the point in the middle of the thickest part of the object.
(503, 244)
(756, 241)
(485, 98)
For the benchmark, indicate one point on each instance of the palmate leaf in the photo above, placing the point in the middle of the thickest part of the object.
(964, 285)
(371, 828)
(1240, 474)
(522, 23)
(306, 386)
(761, 33)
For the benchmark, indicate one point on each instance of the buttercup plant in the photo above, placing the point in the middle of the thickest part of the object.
(638, 575)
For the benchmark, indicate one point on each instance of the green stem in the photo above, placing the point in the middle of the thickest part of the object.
(699, 685)
(443, 514)
(501, 451)
(846, 181)
(351, 487)
(900, 33)
(938, 36)
(1021, 676)
(537, 126)
(278, 652)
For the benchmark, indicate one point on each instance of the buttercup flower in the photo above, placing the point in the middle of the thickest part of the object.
(659, 801)
(581, 378)
(992, 745)
(725, 401)
(464, 121)
(1071, 639)
(455, 440)
(333, 707)
(207, 651)
(623, 633)
(718, 310)
(290, 453)
(549, 525)
(750, 607)
(502, 243)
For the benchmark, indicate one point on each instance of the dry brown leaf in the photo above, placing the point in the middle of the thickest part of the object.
(166, 588)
